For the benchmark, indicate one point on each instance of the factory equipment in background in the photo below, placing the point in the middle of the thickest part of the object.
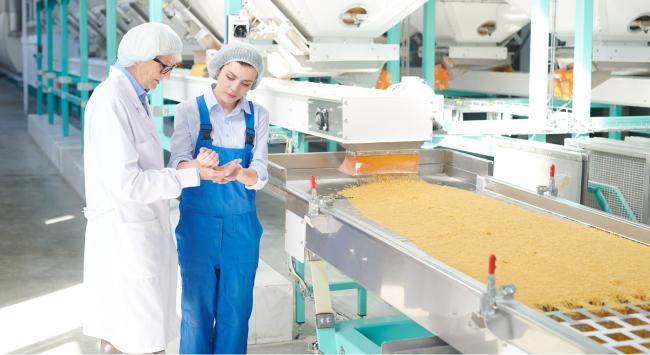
(618, 176)
(382, 131)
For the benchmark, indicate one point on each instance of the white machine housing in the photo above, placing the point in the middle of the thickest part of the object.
(472, 30)
(354, 115)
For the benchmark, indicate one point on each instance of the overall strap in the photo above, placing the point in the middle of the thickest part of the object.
(250, 134)
(206, 126)
(250, 126)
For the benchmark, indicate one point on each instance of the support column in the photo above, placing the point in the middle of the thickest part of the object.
(539, 66)
(26, 63)
(156, 95)
(111, 33)
(39, 59)
(63, 12)
(83, 60)
(332, 146)
(50, 60)
(429, 42)
(582, 54)
(393, 66)
(615, 111)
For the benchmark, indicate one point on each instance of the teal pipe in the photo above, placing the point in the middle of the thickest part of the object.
(600, 199)
(300, 144)
(429, 42)
(111, 33)
(63, 12)
(50, 61)
(393, 66)
(83, 60)
(362, 302)
(597, 188)
(39, 58)
(300, 300)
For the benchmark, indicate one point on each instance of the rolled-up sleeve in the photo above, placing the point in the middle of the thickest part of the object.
(260, 160)
(182, 145)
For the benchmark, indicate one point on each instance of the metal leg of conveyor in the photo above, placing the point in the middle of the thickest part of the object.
(299, 306)
(300, 299)
(324, 314)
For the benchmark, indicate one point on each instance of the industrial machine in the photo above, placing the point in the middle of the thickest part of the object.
(438, 298)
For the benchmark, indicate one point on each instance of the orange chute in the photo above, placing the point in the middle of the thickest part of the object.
(441, 77)
(383, 81)
(563, 84)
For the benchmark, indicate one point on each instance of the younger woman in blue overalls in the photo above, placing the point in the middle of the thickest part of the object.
(219, 233)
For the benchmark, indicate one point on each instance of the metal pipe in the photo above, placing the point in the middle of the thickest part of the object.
(39, 59)
(63, 13)
(49, 8)
(23, 20)
(111, 33)
(429, 42)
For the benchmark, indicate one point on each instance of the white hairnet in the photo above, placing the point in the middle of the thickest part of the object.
(146, 41)
(237, 52)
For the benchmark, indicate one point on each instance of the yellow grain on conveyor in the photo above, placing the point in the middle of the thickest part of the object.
(553, 262)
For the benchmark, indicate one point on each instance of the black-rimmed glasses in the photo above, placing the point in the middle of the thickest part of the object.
(165, 68)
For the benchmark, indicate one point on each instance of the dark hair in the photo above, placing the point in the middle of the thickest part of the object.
(245, 64)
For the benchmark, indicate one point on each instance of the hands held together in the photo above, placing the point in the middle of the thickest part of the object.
(207, 161)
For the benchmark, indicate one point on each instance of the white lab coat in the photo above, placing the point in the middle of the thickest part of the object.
(130, 260)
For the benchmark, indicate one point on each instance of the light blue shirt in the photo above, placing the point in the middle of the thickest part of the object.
(228, 131)
(142, 93)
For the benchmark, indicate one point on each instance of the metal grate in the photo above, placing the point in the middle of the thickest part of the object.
(625, 172)
(624, 329)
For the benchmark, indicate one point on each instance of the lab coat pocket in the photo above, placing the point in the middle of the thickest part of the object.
(140, 249)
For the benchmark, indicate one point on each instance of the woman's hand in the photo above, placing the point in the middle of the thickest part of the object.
(231, 171)
(207, 158)
(211, 174)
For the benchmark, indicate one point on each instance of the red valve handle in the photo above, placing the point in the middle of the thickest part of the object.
(312, 182)
(492, 265)
(552, 170)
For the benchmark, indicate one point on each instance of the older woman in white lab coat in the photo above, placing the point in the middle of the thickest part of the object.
(130, 262)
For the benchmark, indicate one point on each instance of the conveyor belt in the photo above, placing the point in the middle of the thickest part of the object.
(625, 328)
(438, 297)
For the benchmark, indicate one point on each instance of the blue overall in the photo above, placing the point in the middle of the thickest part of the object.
(218, 249)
